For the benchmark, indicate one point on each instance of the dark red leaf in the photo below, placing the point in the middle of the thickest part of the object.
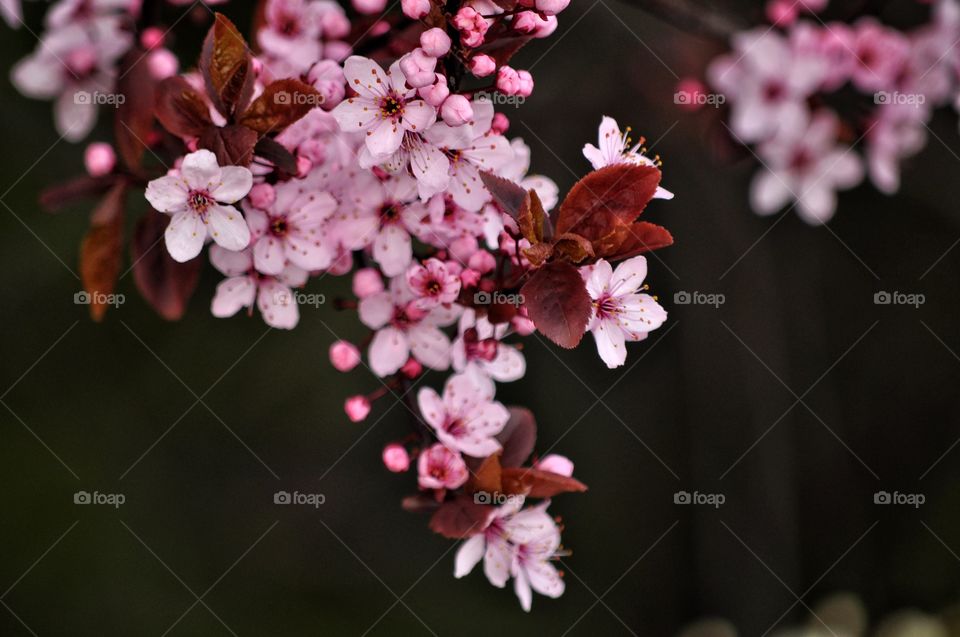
(282, 103)
(640, 237)
(276, 153)
(537, 483)
(56, 197)
(102, 250)
(518, 437)
(227, 67)
(621, 190)
(134, 118)
(460, 518)
(509, 195)
(573, 248)
(485, 477)
(181, 109)
(164, 283)
(233, 145)
(419, 503)
(557, 302)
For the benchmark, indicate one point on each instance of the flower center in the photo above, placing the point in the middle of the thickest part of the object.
(606, 306)
(199, 201)
(391, 106)
(279, 227)
(455, 428)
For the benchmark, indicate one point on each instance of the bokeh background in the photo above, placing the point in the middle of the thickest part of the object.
(797, 399)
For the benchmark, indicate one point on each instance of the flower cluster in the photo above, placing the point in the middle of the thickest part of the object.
(806, 93)
(311, 158)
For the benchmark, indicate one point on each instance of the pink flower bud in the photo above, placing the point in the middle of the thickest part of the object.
(99, 159)
(412, 368)
(262, 196)
(415, 9)
(782, 13)
(162, 64)
(456, 110)
(436, 93)
(344, 356)
(337, 51)
(335, 24)
(546, 28)
(463, 248)
(472, 26)
(500, 123)
(367, 281)
(508, 81)
(418, 67)
(151, 38)
(470, 278)
(482, 65)
(435, 42)
(357, 408)
(556, 463)
(551, 7)
(688, 91)
(526, 83)
(526, 22)
(396, 458)
(369, 6)
(482, 261)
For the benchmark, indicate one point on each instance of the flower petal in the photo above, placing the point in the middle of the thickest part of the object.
(200, 169)
(227, 227)
(185, 235)
(233, 294)
(235, 183)
(388, 351)
(167, 194)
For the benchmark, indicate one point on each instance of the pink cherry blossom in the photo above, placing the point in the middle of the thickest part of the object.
(472, 26)
(620, 312)
(879, 52)
(433, 283)
(292, 229)
(441, 468)
(198, 198)
(99, 159)
(615, 148)
(418, 68)
(479, 349)
(466, 417)
(244, 285)
(384, 108)
(415, 9)
(367, 281)
(556, 463)
(482, 65)
(344, 355)
(807, 166)
(435, 42)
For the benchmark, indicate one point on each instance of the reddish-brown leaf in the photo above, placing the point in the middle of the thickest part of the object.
(573, 248)
(557, 302)
(621, 190)
(538, 254)
(164, 283)
(640, 237)
(134, 117)
(233, 145)
(102, 250)
(537, 483)
(517, 437)
(460, 518)
(509, 195)
(180, 108)
(486, 477)
(282, 103)
(276, 153)
(226, 65)
(419, 503)
(53, 198)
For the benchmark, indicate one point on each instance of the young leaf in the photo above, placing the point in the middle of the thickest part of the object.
(180, 108)
(640, 237)
(102, 249)
(460, 518)
(537, 483)
(282, 103)
(164, 283)
(509, 195)
(557, 302)
(233, 145)
(517, 437)
(486, 477)
(573, 248)
(226, 65)
(620, 190)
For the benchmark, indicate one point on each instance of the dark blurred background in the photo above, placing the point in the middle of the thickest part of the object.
(709, 403)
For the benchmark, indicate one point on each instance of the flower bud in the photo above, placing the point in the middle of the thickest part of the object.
(357, 408)
(436, 93)
(162, 64)
(344, 355)
(418, 68)
(500, 123)
(456, 110)
(151, 38)
(435, 42)
(482, 65)
(99, 159)
(396, 458)
(526, 83)
(262, 196)
(367, 281)
(369, 6)
(412, 368)
(482, 261)
(551, 7)
(508, 82)
(415, 9)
